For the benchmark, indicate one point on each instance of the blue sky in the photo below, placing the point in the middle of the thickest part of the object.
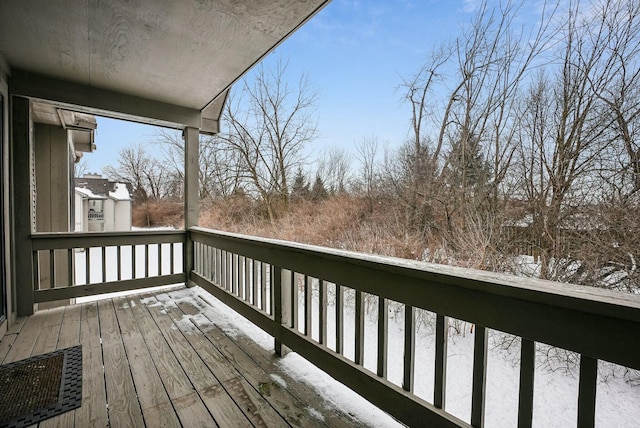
(355, 54)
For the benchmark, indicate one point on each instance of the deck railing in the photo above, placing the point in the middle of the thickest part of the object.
(271, 282)
(302, 294)
(70, 265)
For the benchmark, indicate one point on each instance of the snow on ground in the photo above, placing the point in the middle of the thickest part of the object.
(125, 266)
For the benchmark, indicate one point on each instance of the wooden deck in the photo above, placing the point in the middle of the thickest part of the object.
(143, 365)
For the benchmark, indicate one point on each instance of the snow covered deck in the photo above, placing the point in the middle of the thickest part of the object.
(169, 358)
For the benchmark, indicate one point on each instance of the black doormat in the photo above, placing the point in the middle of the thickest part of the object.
(40, 387)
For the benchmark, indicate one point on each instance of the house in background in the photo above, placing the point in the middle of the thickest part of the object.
(102, 205)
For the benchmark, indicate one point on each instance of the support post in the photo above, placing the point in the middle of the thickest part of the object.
(191, 196)
(22, 213)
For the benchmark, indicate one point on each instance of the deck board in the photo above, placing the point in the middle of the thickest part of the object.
(147, 362)
(189, 407)
(69, 335)
(300, 393)
(294, 411)
(47, 339)
(153, 398)
(29, 333)
(93, 411)
(196, 370)
(5, 345)
(250, 405)
(124, 408)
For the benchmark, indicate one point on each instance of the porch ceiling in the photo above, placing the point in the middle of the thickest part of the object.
(184, 53)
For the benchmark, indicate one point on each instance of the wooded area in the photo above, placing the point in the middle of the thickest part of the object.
(523, 140)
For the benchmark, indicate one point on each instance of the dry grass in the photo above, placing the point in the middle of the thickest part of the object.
(157, 213)
(342, 221)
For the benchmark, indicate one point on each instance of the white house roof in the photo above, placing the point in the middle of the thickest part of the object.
(121, 193)
(168, 60)
(88, 194)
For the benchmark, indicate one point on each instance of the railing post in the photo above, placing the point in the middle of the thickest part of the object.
(191, 196)
(282, 282)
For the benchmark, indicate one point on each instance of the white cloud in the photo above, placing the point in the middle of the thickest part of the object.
(470, 6)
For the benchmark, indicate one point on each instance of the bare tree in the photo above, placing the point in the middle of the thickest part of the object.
(463, 117)
(143, 171)
(80, 168)
(333, 167)
(571, 119)
(218, 164)
(367, 150)
(269, 123)
(620, 94)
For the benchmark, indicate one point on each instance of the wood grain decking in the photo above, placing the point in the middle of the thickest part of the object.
(143, 365)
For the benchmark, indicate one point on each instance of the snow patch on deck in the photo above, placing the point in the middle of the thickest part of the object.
(278, 379)
(315, 414)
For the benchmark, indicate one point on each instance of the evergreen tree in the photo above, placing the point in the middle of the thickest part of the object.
(318, 191)
(300, 187)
